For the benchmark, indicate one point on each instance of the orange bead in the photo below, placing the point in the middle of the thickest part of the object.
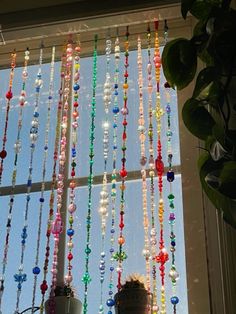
(121, 240)
(125, 86)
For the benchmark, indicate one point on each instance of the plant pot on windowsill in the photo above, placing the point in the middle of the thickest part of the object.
(64, 303)
(133, 298)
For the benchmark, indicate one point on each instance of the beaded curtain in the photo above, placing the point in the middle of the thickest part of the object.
(120, 119)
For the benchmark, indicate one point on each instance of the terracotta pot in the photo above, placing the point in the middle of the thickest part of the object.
(65, 305)
(132, 301)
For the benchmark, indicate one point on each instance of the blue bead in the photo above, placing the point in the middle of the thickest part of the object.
(23, 242)
(70, 232)
(111, 268)
(110, 302)
(110, 292)
(45, 147)
(116, 86)
(41, 199)
(174, 300)
(109, 312)
(36, 114)
(49, 97)
(173, 243)
(115, 109)
(114, 125)
(36, 270)
(28, 198)
(76, 87)
(112, 230)
(168, 109)
(37, 89)
(111, 250)
(170, 176)
(29, 182)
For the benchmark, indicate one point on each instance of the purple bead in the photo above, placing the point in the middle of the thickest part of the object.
(124, 111)
(172, 217)
(168, 109)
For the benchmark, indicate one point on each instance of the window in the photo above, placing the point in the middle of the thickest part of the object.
(133, 206)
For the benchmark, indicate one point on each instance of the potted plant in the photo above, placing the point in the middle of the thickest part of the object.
(210, 113)
(65, 301)
(133, 297)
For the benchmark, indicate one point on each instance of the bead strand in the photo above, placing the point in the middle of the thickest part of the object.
(173, 274)
(44, 284)
(17, 149)
(120, 256)
(153, 232)
(21, 277)
(57, 226)
(36, 270)
(72, 205)
(86, 277)
(115, 110)
(104, 196)
(162, 256)
(9, 95)
(143, 161)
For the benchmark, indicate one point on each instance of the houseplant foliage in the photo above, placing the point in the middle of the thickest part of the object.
(210, 114)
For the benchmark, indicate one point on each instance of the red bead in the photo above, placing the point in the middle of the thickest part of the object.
(159, 166)
(3, 154)
(44, 287)
(70, 256)
(125, 122)
(76, 104)
(72, 173)
(123, 173)
(124, 136)
(9, 95)
(121, 225)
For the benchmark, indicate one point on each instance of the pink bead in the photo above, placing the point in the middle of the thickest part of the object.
(72, 208)
(68, 278)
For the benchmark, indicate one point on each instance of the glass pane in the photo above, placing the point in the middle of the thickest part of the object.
(133, 146)
(134, 236)
(9, 297)
(24, 156)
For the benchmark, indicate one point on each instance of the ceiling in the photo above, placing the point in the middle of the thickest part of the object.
(24, 13)
(14, 6)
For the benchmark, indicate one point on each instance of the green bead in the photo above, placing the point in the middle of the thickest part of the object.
(87, 250)
(86, 278)
(73, 164)
(171, 196)
(71, 220)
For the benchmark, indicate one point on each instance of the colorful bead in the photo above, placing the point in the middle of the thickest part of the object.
(162, 257)
(143, 160)
(33, 139)
(9, 95)
(57, 223)
(121, 255)
(17, 149)
(86, 277)
(36, 269)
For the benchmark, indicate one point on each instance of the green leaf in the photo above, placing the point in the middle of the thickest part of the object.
(186, 6)
(202, 9)
(228, 179)
(204, 79)
(221, 201)
(197, 119)
(179, 61)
